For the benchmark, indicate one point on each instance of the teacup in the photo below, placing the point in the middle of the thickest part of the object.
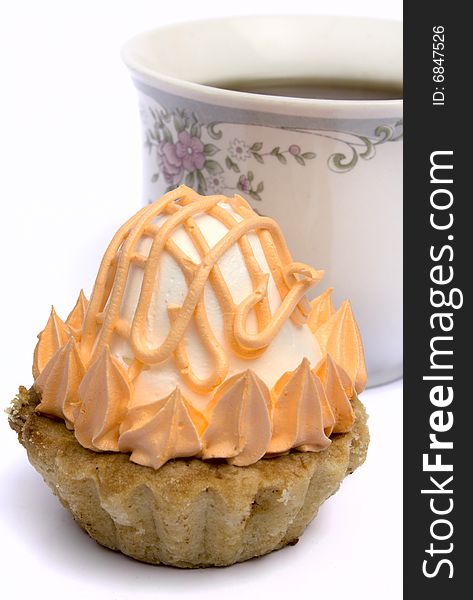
(329, 170)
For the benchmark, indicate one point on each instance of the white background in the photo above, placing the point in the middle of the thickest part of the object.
(70, 174)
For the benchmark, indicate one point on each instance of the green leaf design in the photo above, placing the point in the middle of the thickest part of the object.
(250, 175)
(211, 149)
(196, 130)
(154, 135)
(179, 123)
(167, 124)
(189, 180)
(201, 183)
(155, 178)
(213, 167)
(255, 195)
(167, 135)
(231, 165)
(260, 187)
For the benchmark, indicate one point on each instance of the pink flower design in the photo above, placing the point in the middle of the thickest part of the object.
(244, 183)
(294, 149)
(190, 150)
(170, 163)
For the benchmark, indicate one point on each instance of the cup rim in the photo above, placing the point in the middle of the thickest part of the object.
(267, 102)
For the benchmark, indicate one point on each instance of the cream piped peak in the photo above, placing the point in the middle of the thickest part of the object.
(199, 340)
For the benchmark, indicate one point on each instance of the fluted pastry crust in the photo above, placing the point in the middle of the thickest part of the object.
(188, 513)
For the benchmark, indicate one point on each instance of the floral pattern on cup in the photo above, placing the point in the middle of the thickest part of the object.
(239, 150)
(185, 153)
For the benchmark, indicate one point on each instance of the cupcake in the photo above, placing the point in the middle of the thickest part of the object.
(198, 410)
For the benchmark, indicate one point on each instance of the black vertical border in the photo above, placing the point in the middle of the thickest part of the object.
(430, 128)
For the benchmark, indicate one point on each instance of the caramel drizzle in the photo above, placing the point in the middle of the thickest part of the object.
(221, 289)
(292, 280)
(300, 314)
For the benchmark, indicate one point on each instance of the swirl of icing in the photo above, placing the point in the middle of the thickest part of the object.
(53, 336)
(212, 346)
(339, 402)
(264, 337)
(76, 317)
(340, 337)
(157, 432)
(239, 420)
(181, 206)
(59, 382)
(298, 412)
(195, 381)
(321, 310)
(139, 343)
(104, 395)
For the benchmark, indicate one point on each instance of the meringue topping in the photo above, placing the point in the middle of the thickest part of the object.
(53, 336)
(104, 397)
(198, 340)
(321, 310)
(340, 404)
(181, 207)
(239, 420)
(297, 412)
(76, 317)
(59, 381)
(157, 432)
(340, 337)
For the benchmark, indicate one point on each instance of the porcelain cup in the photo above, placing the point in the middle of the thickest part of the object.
(329, 171)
